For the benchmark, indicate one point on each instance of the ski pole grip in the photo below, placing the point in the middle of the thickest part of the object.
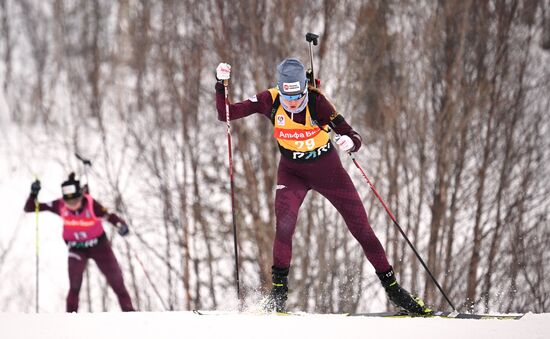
(312, 37)
(85, 161)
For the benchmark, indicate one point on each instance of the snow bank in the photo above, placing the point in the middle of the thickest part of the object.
(160, 325)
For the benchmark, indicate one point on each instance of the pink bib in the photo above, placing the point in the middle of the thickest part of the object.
(81, 226)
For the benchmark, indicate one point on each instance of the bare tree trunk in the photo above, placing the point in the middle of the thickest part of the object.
(5, 28)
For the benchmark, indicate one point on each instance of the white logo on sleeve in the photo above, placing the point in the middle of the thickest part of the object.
(253, 99)
(280, 187)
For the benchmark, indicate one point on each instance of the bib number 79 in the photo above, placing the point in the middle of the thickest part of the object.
(309, 144)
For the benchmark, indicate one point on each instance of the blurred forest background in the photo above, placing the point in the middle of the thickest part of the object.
(451, 98)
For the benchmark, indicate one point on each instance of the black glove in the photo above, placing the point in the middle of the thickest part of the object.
(35, 188)
(123, 229)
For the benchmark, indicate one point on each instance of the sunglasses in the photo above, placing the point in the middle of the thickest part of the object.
(294, 96)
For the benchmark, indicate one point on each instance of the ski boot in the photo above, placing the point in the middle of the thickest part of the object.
(400, 297)
(275, 301)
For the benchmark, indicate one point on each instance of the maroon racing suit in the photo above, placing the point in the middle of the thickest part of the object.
(96, 247)
(323, 173)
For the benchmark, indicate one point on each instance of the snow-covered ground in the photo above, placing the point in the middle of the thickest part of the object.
(160, 325)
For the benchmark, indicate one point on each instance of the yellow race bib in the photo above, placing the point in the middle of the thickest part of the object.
(297, 141)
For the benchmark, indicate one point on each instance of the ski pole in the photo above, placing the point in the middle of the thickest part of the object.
(312, 38)
(86, 163)
(401, 230)
(232, 188)
(37, 253)
(148, 278)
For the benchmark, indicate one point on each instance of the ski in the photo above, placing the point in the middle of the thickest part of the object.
(263, 313)
(447, 315)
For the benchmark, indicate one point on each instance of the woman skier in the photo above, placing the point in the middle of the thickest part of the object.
(85, 238)
(301, 116)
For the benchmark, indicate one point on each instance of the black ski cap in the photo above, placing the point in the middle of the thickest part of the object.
(71, 188)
